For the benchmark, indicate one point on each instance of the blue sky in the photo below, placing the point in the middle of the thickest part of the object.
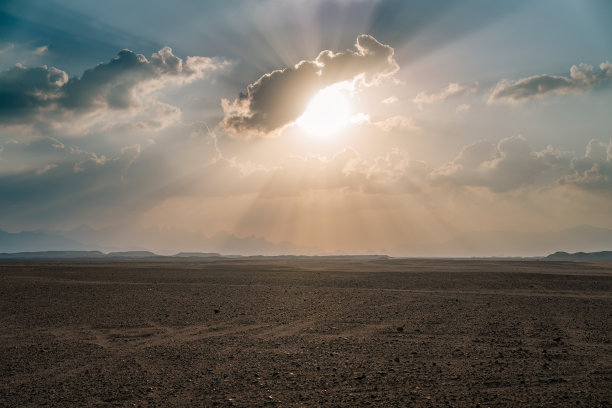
(461, 116)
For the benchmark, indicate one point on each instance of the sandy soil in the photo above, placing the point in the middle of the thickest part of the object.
(306, 333)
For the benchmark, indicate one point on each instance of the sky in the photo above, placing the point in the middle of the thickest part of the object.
(338, 126)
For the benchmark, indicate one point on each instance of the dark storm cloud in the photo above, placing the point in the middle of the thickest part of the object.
(581, 78)
(25, 91)
(278, 98)
(112, 83)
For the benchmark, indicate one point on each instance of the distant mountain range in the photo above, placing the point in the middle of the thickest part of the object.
(147, 256)
(581, 256)
(120, 240)
(504, 243)
(172, 241)
(93, 256)
(100, 256)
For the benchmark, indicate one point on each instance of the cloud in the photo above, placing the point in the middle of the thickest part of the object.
(397, 122)
(65, 171)
(280, 97)
(46, 168)
(120, 84)
(41, 50)
(390, 100)
(41, 155)
(51, 179)
(506, 166)
(7, 48)
(580, 79)
(391, 173)
(346, 170)
(594, 170)
(23, 91)
(464, 107)
(453, 89)
(509, 165)
(63, 182)
(114, 84)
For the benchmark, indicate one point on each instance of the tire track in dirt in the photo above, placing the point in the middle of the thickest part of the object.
(138, 338)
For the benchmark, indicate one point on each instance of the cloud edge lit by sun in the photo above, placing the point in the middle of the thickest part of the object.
(279, 98)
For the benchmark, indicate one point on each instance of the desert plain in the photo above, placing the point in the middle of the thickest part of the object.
(301, 332)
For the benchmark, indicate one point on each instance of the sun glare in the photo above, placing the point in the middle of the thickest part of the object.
(328, 112)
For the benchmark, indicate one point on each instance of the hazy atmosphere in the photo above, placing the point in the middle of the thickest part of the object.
(439, 128)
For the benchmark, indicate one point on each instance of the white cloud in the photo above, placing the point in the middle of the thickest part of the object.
(464, 107)
(506, 166)
(390, 100)
(580, 79)
(396, 123)
(593, 171)
(119, 89)
(7, 48)
(46, 168)
(41, 50)
(453, 89)
(280, 97)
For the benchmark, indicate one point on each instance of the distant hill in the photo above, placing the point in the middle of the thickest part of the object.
(97, 256)
(173, 240)
(197, 255)
(584, 238)
(580, 256)
(84, 256)
(124, 242)
(131, 254)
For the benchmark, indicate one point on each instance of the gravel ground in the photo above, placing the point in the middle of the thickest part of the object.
(306, 332)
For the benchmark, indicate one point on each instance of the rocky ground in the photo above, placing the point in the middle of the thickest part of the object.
(306, 332)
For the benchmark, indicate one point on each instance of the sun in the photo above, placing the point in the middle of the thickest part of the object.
(327, 113)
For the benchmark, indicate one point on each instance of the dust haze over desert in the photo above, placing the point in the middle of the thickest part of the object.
(291, 203)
